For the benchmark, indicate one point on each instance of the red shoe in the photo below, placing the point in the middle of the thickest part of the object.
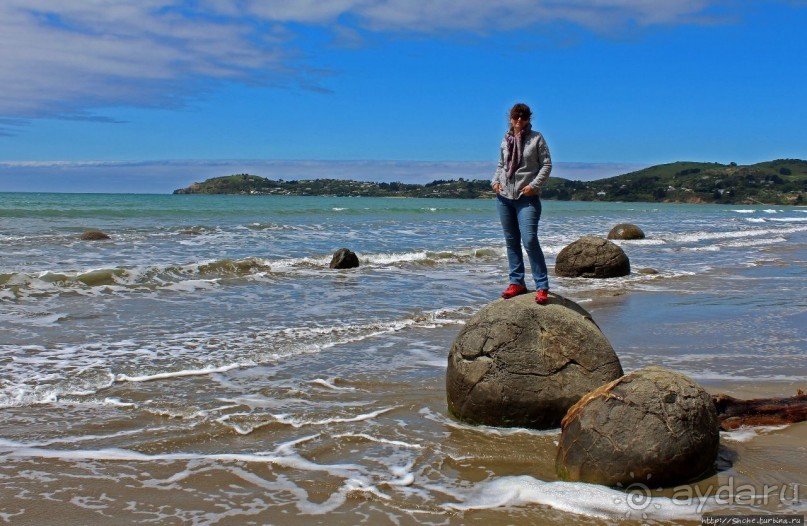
(513, 290)
(542, 297)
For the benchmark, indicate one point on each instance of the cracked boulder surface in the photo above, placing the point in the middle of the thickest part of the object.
(592, 257)
(518, 364)
(653, 426)
(626, 231)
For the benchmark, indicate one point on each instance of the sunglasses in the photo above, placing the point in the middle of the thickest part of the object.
(520, 116)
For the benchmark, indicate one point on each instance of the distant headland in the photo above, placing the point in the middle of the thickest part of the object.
(778, 182)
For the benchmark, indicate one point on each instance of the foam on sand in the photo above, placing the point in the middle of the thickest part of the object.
(746, 434)
(574, 497)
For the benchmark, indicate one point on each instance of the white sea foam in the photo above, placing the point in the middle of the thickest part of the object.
(193, 285)
(43, 375)
(301, 422)
(396, 443)
(179, 374)
(639, 242)
(246, 423)
(709, 248)
(428, 358)
(438, 364)
(756, 242)
(745, 434)
(574, 497)
(745, 211)
(387, 259)
(284, 455)
(330, 385)
(11, 444)
(403, 475)
(443, 419)
(695, 237)
(255, 401)
(108, 402)
(291, 264)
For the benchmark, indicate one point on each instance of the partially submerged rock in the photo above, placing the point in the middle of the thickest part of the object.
(653, 426)
(592, 257)
(516, 363)
(344, 258)
(626, 231)
(94, 235)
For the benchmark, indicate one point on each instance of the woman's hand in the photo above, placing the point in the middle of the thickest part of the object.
(528, 191)
(497, 187)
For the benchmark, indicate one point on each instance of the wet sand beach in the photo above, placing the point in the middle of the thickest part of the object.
(365, 437)
(231, 378)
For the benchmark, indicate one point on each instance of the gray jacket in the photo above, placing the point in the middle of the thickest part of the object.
(533, 170)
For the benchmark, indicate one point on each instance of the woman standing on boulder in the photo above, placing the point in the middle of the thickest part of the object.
(524, 165)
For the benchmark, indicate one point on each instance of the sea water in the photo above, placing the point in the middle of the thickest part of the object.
(206, 366)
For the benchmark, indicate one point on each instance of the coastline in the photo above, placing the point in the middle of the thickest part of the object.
(233, 370)
(778, 182)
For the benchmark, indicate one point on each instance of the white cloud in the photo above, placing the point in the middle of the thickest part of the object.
(69, 58)
(61, 58)
(481, 15)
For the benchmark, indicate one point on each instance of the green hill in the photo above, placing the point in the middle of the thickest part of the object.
(254, 185)
(782, 181)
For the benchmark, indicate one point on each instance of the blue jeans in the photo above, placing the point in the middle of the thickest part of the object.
(519, 219)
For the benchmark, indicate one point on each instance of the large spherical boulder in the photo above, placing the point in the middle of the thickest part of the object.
(626, 231)
(94, 235)
(652, 426)
(516, 363)
(344, 258)
(592, 257)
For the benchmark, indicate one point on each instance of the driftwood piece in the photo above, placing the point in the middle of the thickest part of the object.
(733, 413)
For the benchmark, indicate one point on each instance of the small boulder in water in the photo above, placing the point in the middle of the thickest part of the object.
(94, 235)
(516, 363)
(652, 426)
(626, 231)
(344, 258)
(592, 257)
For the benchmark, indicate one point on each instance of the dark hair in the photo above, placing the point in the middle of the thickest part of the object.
(520, 110)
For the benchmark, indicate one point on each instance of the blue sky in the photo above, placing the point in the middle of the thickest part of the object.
(152, 95)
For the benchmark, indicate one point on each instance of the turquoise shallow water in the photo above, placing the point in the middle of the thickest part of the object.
(207, 361)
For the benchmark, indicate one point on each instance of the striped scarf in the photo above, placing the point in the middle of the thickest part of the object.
(515, 148)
